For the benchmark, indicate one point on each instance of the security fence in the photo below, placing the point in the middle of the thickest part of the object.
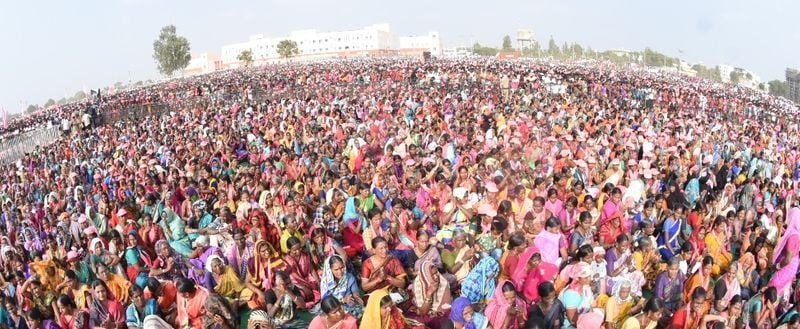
(14, 147)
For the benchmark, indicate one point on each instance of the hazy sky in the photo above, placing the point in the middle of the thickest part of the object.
(51, 49)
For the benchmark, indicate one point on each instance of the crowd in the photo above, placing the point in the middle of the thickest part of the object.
(394, 194)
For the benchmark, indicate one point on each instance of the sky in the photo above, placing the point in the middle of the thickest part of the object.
(52, 49)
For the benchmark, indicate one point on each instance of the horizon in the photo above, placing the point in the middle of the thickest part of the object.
(62, 48)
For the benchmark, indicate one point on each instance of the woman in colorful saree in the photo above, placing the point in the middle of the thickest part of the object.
(169, 265)
(506, 310)
(336, 281)
(668, 242)
(283, 302)
(717, 244)
(381, 310)
(381, 270)
(432, 296)
(464, 317)
(301, 272)
(701, 278)
(531, 271)
(226, 283)
(137, 259)
(263, 265)
(479, 285)
(669, 285)
(621, 305)
(106, 311)
(333, 316)
(175, 230)
(578, 298)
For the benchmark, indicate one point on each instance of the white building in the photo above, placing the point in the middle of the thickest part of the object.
(430, 42)
(202, 64)
(375, 40)
(725, 72)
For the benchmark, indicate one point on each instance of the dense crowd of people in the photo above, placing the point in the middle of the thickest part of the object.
(393, 194)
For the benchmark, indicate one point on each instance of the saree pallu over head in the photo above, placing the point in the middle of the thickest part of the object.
(264, 269)
(479, 284)
(497, 310)
(792, 229)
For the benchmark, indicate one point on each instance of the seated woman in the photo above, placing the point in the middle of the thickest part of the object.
(226, 283)
(381, 270)
(219, 314)
(464, 316)
(548, 307)
(424, 251)
(197, 261)
(168, 265)
(717, 245)
(479, 285)
(116, 284)
(530, 272)
(701, 278)
(516, 246)
(321, 246)
(621, 305)
(139, 308)
(338, 282)
(669, 285)
(648, 319)
(262, 266)
(460, 259)
(333, 316)
(301, 272)
(283, 301)
(432, 298)
(647, 261)
(381, 313)
(137, 259)
(191, 304)
(578, 298)
(506, 310)
(106, 311)
(69, 316)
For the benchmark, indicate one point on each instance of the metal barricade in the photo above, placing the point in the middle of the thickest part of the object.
(15, 147)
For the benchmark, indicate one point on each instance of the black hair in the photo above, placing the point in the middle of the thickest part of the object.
(622, 238)
(66, 301)
(708, 260)
(329, 304)
(545, 288)
(771, 294)
(699, 293)
(553, 222)
(386, 301)
(514, 241)
(135, 288)
(292, 241)
(153, 285)
(508, 286)
(653, 305)
(377, 240)
(70, 274)
(186, 285)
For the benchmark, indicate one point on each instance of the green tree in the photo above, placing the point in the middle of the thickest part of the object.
(287, 49)
(736, 77)
(49, 103)
(477, 49)
(507, 43)
(31, 109)
(79, 95)
(762, 87)
(62, 101)
(577, 50)
(171, 51)
(246, 56)
(748, 76)
(778, 88)
(552, 47)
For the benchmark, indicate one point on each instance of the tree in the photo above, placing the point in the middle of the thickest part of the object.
(736, 76)
(62, 101)
(778, 88)
(287, 49)
(246, 56)
(507, 43)
(748, 76)
(552, 47)
(31, 108)
(762, 87)
(171, 51)
(79, 95)
(49, 103)
(577, 50)
(477, 49)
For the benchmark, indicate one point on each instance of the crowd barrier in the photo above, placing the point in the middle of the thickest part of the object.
(15, 147)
